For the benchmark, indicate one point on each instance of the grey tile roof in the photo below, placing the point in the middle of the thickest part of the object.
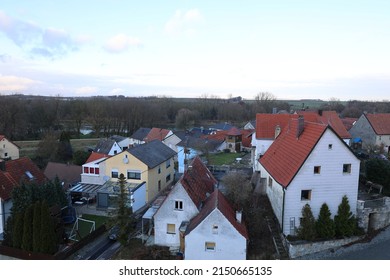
(117, 138)
(141, 133)
(152, 153)
(104, 146)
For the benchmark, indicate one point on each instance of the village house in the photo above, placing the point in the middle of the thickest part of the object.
(373, 130)
(107, 146)
(123, 142)
(12, 174)
(308, 163)
(269, 126)
(68, 174)
(182, 204)
(148, 169)
(8, 149)
(138, 137)
(197, 220)
(217, 232)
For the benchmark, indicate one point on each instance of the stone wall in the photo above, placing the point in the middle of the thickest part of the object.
(301, 248)
(373, 214)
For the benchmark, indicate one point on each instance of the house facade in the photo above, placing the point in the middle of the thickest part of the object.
(107, 146)
(373, 130)
(8, 149)
(308, 164)
(217, 232)
(182, 204)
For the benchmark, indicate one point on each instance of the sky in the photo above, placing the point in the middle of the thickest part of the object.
(181, 48)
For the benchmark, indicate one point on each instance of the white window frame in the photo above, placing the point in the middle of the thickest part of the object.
(114, 170)
(178, 206)
(135, 172)
(210, 246)
(169, 229)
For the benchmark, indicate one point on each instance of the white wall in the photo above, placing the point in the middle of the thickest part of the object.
(230, 244)
(115, 149)
(139, 197)
(166, 214)
(262, 146)
(327, 187)
(5, 212)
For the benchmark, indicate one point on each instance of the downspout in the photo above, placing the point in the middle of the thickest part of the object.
(284, 195)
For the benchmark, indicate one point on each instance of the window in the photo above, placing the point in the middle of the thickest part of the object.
(305, 194)
(92, 170)
(86, 169)
(114, 173)
(209, 246)
(317, 169)
(96, 170)
(168, 178)
(347, 168)
(215, 229)
(168, 163)
(132, 174)
(159, 185)
(330, 146)
(171, 229)
(159, 169)
(269, 182)
(5, 154)
(178, 205)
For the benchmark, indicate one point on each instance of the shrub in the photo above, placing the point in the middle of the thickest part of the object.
(325, 227)
(345, 222)
(307, 229)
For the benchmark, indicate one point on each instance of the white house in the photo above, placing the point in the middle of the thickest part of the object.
(308, 163)
(123, 142)
(8, 149)
(182, 204)
(217, 232)
(107, 146)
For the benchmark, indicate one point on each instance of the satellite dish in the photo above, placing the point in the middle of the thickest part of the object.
(125, 160)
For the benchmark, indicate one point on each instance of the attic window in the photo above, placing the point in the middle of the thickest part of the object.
(179, 205)
(317, 169)
(330, 146)
(29, 175)
(215, 229)
(210, 246)
(347, 168)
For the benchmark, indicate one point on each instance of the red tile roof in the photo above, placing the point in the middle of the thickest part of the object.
(217, 135)
(234, 131)
(156, 134)
(16, 171)
(198, 181)
(288, 153)
(247, 137)
(218, 201)
(95, 156)
(328, 118)
(266, 124)
(348, 122)
(380, 123)
(2, 137)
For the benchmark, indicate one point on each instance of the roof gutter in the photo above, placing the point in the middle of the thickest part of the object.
(284, 196)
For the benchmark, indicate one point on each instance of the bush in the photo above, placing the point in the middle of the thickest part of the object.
(345, 222)
(307, 227)
(325, 227)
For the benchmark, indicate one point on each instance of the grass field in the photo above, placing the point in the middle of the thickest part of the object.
(84, 227)
(224, 158)
(29, 148)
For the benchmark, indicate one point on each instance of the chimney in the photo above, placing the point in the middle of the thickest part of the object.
(301, 125)
(320, 112)
(277, 131)
(239, 216)
(2, 165)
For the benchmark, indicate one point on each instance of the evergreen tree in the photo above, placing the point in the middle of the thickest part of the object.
(37, 227)
(18, 230)
(8, 232)
(307, 227)
(27, 229)
(324, 225)
(124, 211)
(48, 235)
(345, 222)
(64, 151)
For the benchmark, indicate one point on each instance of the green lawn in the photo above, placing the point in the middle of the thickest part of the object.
(85, 227)
(224, 158)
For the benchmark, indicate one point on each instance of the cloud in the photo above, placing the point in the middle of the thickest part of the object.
(86, 90)
(121, 43)
(117, 91)
(47, 42)
(183, 22)
(14, 83)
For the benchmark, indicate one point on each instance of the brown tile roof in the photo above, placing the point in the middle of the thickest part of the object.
(288, 153)
(17, 171)
(380, 123)
(348, 122)
(67, 173)
(266, 124)
(328, 118)
(218, 201)
(198, 181)
(156, 134)
(234, 131)
(95, 156)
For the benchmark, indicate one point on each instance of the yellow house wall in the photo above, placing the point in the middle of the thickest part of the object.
(150, 176)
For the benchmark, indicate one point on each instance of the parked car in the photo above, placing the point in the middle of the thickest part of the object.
(113, 234)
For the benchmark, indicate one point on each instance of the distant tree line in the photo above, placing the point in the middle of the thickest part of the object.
(32, 117)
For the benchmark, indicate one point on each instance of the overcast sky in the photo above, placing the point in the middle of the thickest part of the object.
(292, 49)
